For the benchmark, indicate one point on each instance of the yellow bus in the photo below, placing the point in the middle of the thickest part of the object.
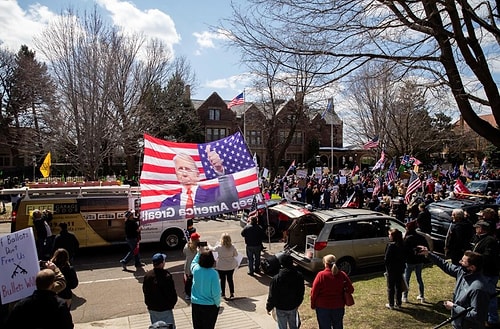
(95, 214)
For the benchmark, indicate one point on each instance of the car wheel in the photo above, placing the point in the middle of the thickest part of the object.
(346, 265)
(172, 239)
(270, 231)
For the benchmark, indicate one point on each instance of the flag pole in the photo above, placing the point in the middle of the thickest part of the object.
(244, 117)
(331, 135)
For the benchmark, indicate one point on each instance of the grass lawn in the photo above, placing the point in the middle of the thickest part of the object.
(370, 297)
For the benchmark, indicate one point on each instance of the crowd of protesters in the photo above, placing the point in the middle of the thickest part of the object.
(367, 189)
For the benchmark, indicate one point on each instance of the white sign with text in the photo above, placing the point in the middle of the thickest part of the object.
(18, 265)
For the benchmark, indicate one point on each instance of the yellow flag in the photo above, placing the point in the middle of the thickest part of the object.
(45, 167)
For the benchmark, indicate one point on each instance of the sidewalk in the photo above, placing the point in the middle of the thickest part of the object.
(240, 313)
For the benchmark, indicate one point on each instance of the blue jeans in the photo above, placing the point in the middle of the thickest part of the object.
(328, 318)
(165, 316)
(289, 317)
(253, 255)
(132, 243)
(418, 273)
(491, 283)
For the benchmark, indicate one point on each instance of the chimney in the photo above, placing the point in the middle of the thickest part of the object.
(187, 93)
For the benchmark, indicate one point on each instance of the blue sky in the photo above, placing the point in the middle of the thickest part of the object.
(182, 25)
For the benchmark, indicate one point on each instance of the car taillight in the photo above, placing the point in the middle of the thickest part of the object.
(320, 245)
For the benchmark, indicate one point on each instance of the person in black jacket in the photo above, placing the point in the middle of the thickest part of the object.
(486, 244)
(61, 260)
(394, 264)
(458, 237)
(159, 291)
(424, 219)
(67, 240)
(132, 236)
(253, 234)
(414, 262)
(286, 293)
(43, 309)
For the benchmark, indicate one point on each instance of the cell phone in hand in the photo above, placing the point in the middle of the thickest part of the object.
(203, 244)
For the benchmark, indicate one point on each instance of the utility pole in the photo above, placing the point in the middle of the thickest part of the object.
(34, 167)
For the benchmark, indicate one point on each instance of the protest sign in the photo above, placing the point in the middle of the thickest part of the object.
(18, 265)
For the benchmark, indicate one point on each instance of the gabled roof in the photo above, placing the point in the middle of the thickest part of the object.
(239, 110)
(486, 117)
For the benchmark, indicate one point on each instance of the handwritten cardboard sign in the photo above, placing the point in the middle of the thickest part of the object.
(18, 265)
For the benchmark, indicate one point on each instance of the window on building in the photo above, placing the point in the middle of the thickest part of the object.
(214, 114)
(254, 137)
(214, 134)
(4, 160)
(297, 138)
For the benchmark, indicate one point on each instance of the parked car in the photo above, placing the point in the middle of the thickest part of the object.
(357, 237)
(441, 216)
(483, 186)
(268, 219)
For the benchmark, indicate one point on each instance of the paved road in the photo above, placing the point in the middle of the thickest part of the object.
(105, 291)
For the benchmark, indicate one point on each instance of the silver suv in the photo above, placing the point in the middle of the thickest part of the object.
(357, 237)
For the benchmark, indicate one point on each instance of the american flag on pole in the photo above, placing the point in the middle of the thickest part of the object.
(391, 173)
(378, 185)
(328, 109)
(159, 179)
(414, 184)
(238, 100)
(371, 143)
(380, 163)
(253, 208)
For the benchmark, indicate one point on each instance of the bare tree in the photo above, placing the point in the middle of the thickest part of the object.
(396, 110)
(449, 43)
(171, 112)
(101, 76)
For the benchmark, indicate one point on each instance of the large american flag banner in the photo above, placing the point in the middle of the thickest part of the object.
(159, 180)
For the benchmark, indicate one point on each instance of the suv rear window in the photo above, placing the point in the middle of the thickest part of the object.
(363, 229)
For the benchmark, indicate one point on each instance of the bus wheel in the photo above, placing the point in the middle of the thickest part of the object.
(171, 239)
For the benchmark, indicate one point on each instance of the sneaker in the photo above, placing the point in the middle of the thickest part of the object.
(124, 266)
(421, 299)
(389, 306)
(404, 300)
(231, 297)
(398, 306)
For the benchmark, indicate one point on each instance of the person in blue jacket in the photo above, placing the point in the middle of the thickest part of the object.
(206, 290)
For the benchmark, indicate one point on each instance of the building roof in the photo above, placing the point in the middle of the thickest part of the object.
(486, 117)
